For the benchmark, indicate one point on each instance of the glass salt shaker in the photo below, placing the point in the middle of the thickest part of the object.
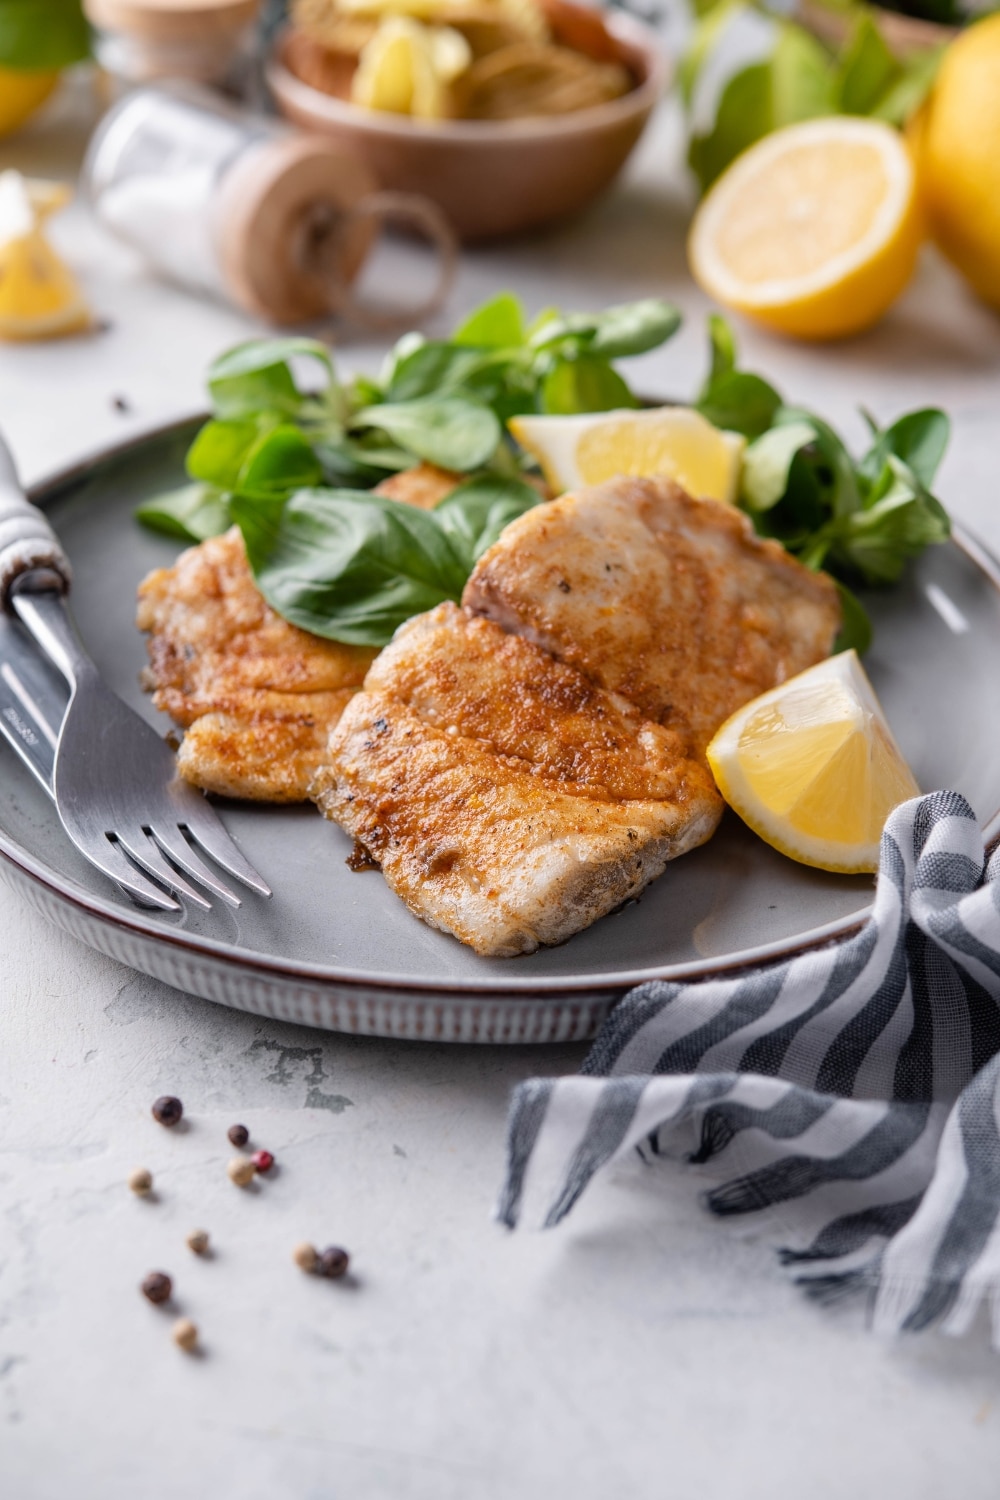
(246, 209)
(203, 41)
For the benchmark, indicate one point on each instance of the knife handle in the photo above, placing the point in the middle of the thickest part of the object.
(27, 541)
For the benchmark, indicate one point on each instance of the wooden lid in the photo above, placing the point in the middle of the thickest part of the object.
(277, 201)
(172, 20)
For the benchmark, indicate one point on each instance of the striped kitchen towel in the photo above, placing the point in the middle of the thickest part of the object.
(851, 1094)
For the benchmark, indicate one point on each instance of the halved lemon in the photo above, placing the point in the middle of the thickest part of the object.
(674, 441)
(812, 767)
(813, 231)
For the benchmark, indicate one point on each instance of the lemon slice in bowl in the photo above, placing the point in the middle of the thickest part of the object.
(814, 231)
(407, 68)
(812, 767)
(674, 441)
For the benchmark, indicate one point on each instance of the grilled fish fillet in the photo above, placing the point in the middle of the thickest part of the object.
(256, 696)
(673, 602)
(520, 767)
(507, 799)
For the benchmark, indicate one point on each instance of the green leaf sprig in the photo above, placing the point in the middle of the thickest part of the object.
(443, 401)
(800, 79)
(294, 468)
(353, 566)
(861, 520)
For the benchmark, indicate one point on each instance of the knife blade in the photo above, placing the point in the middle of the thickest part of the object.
(33, 700)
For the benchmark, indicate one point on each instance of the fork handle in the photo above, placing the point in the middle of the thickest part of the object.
(27, 541)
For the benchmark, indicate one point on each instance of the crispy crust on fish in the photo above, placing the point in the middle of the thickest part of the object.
(675, 603)
(508, 800)
(256, 696)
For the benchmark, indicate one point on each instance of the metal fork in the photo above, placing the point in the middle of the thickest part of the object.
(114, 779)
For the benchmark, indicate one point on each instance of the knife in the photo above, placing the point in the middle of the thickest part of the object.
(33, 699)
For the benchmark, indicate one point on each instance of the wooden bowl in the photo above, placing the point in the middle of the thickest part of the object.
(492, 178)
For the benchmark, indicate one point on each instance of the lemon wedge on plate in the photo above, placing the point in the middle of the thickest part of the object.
(39, 297)
(674, 441)
(408, 69)
(812, 767)
(813, 231)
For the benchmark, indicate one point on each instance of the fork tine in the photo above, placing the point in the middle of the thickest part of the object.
(112, 862)
(205, 827)
(146, 853)
(175, 845)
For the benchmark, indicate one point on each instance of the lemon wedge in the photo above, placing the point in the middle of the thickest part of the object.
(813, 768)
(39, 296)
(813, 231)
(674, 441)
(407, 68)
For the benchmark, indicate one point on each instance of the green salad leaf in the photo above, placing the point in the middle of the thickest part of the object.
(451, 431)
(353, 566)
(295, 466)
(192, 513)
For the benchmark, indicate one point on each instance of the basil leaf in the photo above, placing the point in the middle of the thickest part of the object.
(866, 71)
(431, 369)
(42, 34)
(739, 402)
(743, 115)
(722, 345)
(877, 541)
(192, 513)
(498, 324)
(584, 384)
(358, 463)
(627, 329)
(257, 374)
(220, 450)
(280, 461)
(904, 97)
(351, 567)
(767, 464)
(474, 514)
(919, 439)
(450, 431)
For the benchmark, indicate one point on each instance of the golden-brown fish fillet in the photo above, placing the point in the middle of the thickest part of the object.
(256, 696)
(519, 774)
(507, 799)
(673, 602)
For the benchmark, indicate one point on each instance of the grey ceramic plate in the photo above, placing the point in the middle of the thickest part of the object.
(337, 949)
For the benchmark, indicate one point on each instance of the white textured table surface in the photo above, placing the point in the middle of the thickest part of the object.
(641, 1350)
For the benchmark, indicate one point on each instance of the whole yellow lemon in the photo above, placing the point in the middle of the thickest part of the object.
(21, 93)
(957, 147)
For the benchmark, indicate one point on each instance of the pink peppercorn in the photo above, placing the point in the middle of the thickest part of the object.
(263, 1161)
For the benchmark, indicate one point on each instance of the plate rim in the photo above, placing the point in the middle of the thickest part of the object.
(141, 924)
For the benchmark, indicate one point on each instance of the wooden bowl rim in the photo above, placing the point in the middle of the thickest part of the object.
(634, 36)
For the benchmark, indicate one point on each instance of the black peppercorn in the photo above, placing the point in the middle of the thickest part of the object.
(238, 1134)
(167, 1110)
(332, 1261)
(157, 1286)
